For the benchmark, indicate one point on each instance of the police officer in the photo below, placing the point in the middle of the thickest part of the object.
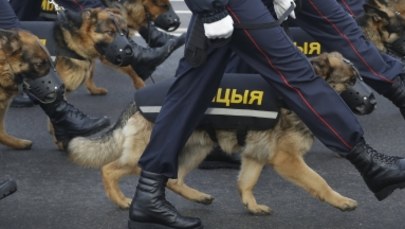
(288, 72)
(382, 72)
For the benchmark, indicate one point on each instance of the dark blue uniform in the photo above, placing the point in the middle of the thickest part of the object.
(8, 19)
(272, 54)
(29, 10)
(353, 7)
(378, 70)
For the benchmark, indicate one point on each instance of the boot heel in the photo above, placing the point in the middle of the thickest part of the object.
(381, 195)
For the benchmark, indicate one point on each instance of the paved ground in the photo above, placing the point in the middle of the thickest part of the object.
(56, 194)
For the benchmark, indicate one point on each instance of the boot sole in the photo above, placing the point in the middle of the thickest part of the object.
(381, 195)
(138, 225)
(7, 189)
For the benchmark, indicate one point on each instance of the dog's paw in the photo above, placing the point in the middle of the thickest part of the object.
(259, 209)
(124, 204)
(206, 199)
(347, 204)
(22, 144)
(98, 91)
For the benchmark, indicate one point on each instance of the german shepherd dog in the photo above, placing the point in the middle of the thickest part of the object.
(117, 151)
(21, 56)
(384, 26)
(140, 13)
(80, 34)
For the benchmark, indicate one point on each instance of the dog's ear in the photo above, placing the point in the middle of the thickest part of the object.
(375, 13)
(91, 15)
(321, 65)
(334, 59)
(378, 2)
(70, 19)
(9, 41)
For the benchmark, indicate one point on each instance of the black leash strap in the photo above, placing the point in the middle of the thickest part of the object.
(268, 24)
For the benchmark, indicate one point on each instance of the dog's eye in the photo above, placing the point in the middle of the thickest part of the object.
(163, 5)
(110, 32)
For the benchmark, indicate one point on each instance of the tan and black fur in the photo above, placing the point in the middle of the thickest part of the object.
(283, 147)
(396, 6)
(381, 24)
(20, 53)
(80, 33)
(82, 37)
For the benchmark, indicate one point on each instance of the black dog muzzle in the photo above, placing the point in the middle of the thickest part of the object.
(118, 52)
(360, 98)
(44, 89)
(398, 47)
(168, 21)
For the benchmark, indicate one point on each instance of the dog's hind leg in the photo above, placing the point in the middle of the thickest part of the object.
(8, 140)
(248, 176)
(112, 174)
(292, 167)
(187, 162)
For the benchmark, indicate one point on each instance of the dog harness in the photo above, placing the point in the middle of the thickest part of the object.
(243, 102)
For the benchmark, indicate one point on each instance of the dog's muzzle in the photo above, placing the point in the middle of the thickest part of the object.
(169, 21)
(119, 52)
(44, 88)
(398, 47)
(360, 98)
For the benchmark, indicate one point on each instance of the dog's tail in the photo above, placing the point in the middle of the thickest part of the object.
(94, 152)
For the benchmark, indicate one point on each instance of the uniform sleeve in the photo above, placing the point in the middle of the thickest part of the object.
(208, 10)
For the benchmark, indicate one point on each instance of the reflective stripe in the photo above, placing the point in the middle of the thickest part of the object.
(223, 111)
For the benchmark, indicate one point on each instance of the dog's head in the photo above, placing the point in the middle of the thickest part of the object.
(338, 72)
(140, 12)
(22, 55)
(345, 79)
(383, 26)
(96, 33)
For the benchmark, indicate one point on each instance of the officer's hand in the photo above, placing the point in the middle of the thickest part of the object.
(281, 6)
(219, 29)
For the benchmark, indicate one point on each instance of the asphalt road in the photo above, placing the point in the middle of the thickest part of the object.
(53, 193)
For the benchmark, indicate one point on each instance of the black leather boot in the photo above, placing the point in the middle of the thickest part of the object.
(150, 206)
(157, 38)
(382, 173)
(7, 187)
(69, 122)
(145, 60)
(397, 93)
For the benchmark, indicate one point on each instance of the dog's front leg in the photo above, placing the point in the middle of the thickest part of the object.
(189, 159)
(248, 176)
(112, 174)
(89, 82)
(6, 139)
